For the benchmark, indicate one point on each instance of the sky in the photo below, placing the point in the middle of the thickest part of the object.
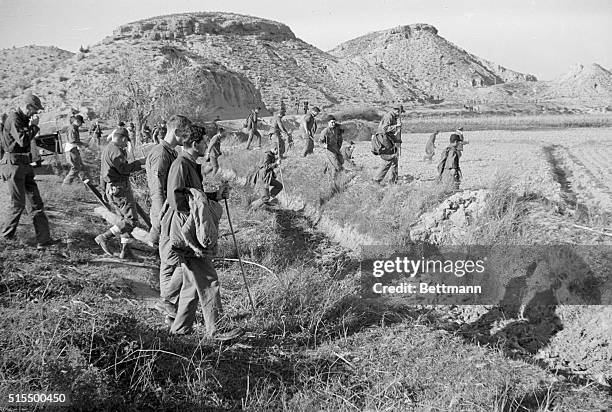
(540, 37)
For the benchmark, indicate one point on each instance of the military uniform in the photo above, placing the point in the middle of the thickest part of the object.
(180, 267)
(96, 131)
(158, 166)
(73, 156)
(278, 129)
(388, 127)
(252, 129)
(16, 170)
(213, 153)
(309, 128)
(115, 174)
(331, 137)
(450, 174)
(430, 147)
(265, 178)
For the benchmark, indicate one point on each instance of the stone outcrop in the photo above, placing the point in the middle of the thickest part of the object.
(448, 222)
(182, 26)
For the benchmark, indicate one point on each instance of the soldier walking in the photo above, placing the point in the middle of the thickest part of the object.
(19, 130)
(187, 204)
(73, 154)
(95, 132)
(115, 174)
(251, 126)
(308, 127)
(431, 146)
(332, 139)
(278, 130)
(388, 129)
(265, 178)
(213, 152)
(158, 164)
(449, 171)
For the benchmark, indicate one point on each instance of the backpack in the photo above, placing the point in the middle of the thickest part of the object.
(247, 121)
(442, 163)
(380, 145)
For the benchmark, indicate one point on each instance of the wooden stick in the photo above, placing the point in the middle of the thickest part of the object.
(593, 230)
(255, 264)
(124, 262)
(138, 233)
(246, 284)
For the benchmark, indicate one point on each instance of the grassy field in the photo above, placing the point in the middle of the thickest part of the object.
(505, 122)
(72, 323)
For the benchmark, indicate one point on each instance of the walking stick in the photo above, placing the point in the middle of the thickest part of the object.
(246, 285)
(280, 170)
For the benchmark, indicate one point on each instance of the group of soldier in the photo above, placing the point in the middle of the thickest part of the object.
(339, 156)
(185, 208)
(185, 213)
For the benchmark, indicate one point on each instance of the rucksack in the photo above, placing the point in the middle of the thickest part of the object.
(442, 162)
(247, 121)
(380, 145)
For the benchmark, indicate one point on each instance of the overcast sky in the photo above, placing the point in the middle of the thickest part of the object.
(541, 37)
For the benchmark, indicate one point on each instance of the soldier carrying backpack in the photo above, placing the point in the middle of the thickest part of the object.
(449, 171)
(384, 144)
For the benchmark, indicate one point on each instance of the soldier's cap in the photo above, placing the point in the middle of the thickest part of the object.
(121, 124)
(400, 109)
(316, 109)
(330, 118)
(79, 118)
(454, 138)
(460, 128)
(121, 131)
(30, 99)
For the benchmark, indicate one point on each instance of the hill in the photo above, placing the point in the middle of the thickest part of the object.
(270, 55)
(584, 81)
(234, 62)
(582, 88)
(80, 82)
(417, 53)
(20, 65)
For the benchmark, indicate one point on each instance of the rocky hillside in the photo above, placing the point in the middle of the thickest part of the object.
(581, 81)
(268, 53)
(583, 87)
(418, 54)
(238, 62)
(20, 65)
(76, 84)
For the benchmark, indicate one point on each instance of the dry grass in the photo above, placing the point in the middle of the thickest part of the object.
(313, 344)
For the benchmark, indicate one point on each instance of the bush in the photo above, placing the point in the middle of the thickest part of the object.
(358, 113)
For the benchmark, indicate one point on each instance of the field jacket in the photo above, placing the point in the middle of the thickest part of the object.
(194, 234)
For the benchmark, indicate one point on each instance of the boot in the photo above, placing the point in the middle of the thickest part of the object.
(101, 240)
(126, 252)
(256, 204)
(227, 334)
